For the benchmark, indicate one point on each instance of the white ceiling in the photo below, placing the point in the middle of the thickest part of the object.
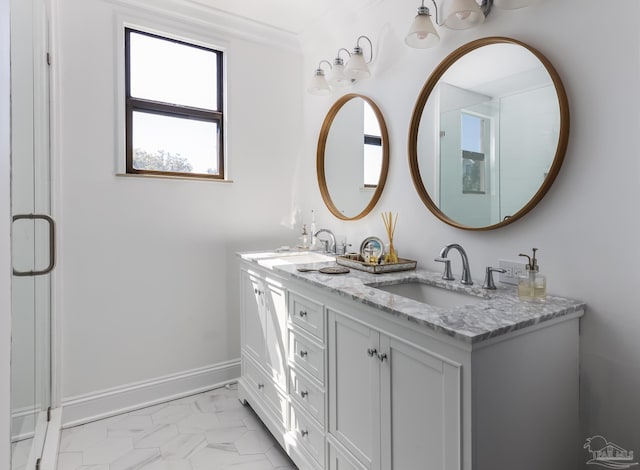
(292, 16)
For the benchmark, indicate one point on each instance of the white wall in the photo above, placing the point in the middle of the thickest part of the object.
(148, 275)
(5, 230)
(526, 152)
(587, 227)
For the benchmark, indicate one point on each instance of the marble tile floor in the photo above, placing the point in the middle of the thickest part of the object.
(209, 431)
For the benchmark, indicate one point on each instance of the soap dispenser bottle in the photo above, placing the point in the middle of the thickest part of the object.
(532, 285)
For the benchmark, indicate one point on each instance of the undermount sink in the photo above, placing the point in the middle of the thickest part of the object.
(304, 257)
(432, 295)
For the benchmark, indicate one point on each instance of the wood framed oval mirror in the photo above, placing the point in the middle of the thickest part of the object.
(353, 157)
(488, 134)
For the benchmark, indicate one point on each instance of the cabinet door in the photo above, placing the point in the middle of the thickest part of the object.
(420, 406)
(340, 461)
(354, 389)
(253, 319)
(275, 303)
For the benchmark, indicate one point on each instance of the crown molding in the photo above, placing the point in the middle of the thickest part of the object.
(220, 22)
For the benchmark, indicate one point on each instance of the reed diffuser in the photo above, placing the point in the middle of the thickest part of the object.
(390, 226)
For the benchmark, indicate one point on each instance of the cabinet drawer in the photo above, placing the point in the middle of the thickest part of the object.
(308, 434)
(306, 354)
(307, 314)
(309, 396)
(265, 389)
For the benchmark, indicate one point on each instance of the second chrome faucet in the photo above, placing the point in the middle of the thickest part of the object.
(447, 275)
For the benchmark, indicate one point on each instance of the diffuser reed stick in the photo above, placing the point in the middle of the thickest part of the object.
(390, 226)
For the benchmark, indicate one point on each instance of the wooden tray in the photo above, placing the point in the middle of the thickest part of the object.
(357, 262)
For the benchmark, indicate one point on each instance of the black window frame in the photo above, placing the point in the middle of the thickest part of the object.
(173, 110)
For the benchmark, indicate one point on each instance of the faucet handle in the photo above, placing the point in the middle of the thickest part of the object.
(446, 275)
(488, 278)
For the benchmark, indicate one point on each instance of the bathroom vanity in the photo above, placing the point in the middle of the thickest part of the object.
(350, 372)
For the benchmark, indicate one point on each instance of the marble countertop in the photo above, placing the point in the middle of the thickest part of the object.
(496, 313)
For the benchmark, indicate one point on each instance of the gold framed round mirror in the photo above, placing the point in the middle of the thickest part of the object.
(488, 134)
(353, 157)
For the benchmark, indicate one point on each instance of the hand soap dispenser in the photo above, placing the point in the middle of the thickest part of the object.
(532, 285)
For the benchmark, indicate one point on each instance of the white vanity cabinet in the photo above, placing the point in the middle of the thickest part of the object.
(264, 342)
(393, 404)
(345, 385)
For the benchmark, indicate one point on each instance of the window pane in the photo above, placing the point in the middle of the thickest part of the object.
(471, 133)
(372, 164)
(371, 125)
(164, 143)
(162, 70)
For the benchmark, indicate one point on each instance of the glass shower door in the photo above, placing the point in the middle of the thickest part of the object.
(32, 233)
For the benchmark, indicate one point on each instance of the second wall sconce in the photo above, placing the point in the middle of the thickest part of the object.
(342, 74)
(457, 14)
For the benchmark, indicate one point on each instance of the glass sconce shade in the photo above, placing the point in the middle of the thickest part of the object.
(462, 14)
(422, 33)
(319, 85)
(513, 4)
(337, 78)
(357, 68)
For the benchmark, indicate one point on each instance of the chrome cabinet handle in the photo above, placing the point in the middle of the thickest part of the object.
(304, 433)
(52, 245)
(372, 352)
(304, 394)
(303, 353)
(382, 357)
(303, 313)
(260, 386)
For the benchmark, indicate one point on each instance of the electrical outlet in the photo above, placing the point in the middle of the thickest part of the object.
(514, 270)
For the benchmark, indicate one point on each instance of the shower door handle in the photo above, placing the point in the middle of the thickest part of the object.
(52, 244)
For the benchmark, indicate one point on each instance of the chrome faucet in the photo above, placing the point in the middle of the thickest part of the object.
(466, 272)
(329, 245)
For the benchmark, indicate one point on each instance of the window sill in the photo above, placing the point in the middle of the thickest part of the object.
(171, 177)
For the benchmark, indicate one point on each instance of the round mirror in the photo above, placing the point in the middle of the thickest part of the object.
(353, 157)
(488, 134)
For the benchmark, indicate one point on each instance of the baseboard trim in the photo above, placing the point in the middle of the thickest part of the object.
(89, 407)
(24, 418)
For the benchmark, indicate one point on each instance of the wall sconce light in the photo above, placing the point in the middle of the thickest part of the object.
(338, 79)
(357, 67)
(342, 74)
(319, 85)
(422, 33)
(458, 14)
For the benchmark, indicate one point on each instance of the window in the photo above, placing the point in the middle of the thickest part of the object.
(473, 163)
(174, 104)
(372, 148)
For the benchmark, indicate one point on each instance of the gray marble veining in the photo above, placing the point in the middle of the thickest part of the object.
(499, 312)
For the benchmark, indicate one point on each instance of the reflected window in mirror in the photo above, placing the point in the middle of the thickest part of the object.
(372, 163)
(473, 148)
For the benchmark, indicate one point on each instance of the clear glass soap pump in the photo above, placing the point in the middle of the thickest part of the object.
(532, 285)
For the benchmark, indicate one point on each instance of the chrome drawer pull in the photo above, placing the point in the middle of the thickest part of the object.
(303, 353)
(382, 357)
(372, 352)
(260, 386)
(303, 313)
(304, 394)
(304, 433)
